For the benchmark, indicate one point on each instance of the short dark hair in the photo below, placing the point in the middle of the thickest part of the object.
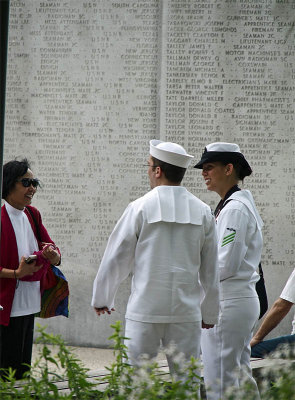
(172, 172)
(240, 172)
(12, 171)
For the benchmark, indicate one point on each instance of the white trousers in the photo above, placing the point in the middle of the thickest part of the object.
(226, 347)
(146, 338)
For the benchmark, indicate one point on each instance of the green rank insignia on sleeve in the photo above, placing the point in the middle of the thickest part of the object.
(228, 239)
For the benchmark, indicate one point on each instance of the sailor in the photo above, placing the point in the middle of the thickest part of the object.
(167, 239)
(226, 347)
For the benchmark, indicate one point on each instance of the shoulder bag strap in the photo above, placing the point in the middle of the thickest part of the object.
(36, 224)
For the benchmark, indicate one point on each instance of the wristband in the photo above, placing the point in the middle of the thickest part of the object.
(17, 281)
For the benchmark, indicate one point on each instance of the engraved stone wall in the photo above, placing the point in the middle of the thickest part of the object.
(91, 82)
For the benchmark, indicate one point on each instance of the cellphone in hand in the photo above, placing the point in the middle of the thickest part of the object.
(31, 258)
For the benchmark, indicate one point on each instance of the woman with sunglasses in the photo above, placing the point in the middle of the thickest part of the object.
(20, 291)
(226, 347)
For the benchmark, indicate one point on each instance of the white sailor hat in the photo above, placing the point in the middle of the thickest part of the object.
(171, 153)
(225, 153)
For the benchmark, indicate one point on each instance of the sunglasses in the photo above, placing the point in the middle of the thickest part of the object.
(27, 182)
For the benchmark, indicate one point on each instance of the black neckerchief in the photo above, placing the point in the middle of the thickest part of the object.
(223, 202)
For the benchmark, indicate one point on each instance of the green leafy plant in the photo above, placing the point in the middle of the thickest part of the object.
(41, 382)
(124, 381)
(75, 373)
(278, 382)
(120, 372)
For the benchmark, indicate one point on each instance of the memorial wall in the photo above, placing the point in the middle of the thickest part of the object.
(89, 83)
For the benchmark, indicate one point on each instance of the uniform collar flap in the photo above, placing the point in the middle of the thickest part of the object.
(172, 204)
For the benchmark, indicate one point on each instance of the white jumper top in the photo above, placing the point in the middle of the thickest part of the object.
(167, 238)
(27, 297)
(239, 246)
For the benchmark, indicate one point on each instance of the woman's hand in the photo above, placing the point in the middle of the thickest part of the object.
(50, 253)
(25, 269)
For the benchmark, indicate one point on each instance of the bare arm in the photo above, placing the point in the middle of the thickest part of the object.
(278, 311)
